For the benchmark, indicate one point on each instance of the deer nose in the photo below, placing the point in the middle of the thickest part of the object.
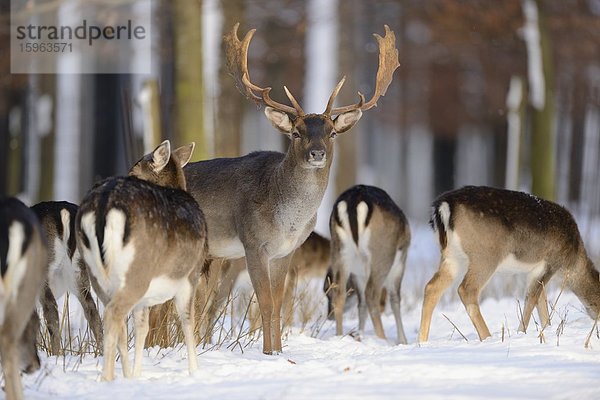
(317, 155)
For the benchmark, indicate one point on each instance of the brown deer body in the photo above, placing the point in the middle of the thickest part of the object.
(264, 205)
(66, 269)
(370, 237)
(153, 240)
(483, 230)
(23, 273)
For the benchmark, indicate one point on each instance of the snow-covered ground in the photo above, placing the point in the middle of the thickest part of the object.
(316, 364)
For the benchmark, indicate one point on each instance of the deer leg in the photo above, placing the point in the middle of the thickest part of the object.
(469, 290)
(209, 287)
(258, 269)
(395, 300)
(50, 309)
(142, 326)
(184, 304)
(115, 336)
(373, 298)
(340, 278)
(288, 298)
(433, 291)
(278, 271)
(536, 295)
(10, 366)
(84, 295)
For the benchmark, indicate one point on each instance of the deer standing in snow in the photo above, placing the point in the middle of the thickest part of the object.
(370, 237)
(483, 230)
(66, 269)
(264, 205)
(144, 240)
(23, 273)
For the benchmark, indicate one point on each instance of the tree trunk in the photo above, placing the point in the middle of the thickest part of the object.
(231, 102)
(189, 89)
(542, 122)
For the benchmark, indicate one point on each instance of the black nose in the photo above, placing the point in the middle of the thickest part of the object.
(317, 155)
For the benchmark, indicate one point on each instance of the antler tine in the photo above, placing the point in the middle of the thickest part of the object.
(236, 52)
(334, 94)
(388, 62)
(293, 101)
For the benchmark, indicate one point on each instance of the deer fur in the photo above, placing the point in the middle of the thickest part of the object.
(311, 259)
(370, 237)
(483, 230)
(264, 205)
(23, 273)
(144, 240)
(66, 269)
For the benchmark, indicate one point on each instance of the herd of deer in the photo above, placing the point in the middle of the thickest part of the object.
(146, 238)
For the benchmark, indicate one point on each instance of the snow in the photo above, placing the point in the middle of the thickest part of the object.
(316, 364)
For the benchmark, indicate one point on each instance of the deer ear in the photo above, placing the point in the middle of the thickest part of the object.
(183, 154)
(279, 119)
(161, 155)
(347, 120)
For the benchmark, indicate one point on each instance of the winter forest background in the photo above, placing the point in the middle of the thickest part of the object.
(497, 93)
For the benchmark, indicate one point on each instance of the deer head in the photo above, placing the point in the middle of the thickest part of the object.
(163, 167)
(311, 134)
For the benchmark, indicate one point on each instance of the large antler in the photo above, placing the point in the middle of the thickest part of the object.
(388, 62)
(237, 64)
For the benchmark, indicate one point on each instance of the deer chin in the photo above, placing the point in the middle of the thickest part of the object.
(315, 164)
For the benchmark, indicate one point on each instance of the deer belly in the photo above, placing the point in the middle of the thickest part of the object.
(226, 248)
(511, 265)
(162, 289)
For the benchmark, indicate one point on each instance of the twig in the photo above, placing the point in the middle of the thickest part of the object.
(456, 327)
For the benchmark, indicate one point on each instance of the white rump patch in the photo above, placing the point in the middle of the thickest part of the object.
(16, 267)
(444, 210)
(396, 271)
(356, 258)
(118, 258)
(454, 254)
(65, 219)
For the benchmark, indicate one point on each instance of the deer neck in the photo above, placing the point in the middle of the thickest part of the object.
(300, 188)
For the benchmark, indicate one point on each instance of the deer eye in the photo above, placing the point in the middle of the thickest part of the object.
(295, 135)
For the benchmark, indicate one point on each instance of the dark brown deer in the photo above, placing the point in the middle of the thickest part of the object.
(370, 237)
(66, 269)
(264, 205)
(23, 273)
(483, 230)
(144, 240)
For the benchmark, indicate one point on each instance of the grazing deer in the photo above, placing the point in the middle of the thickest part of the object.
(370, 237)
(483, 230)
(66, 269)
(144, 240)
(264, 205)
(23, 273)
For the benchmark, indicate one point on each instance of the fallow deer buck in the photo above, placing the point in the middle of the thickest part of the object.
(66, 269)
(263, 205)
(370, 237)
(23, 273)
(483, 230)
(144, 240)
